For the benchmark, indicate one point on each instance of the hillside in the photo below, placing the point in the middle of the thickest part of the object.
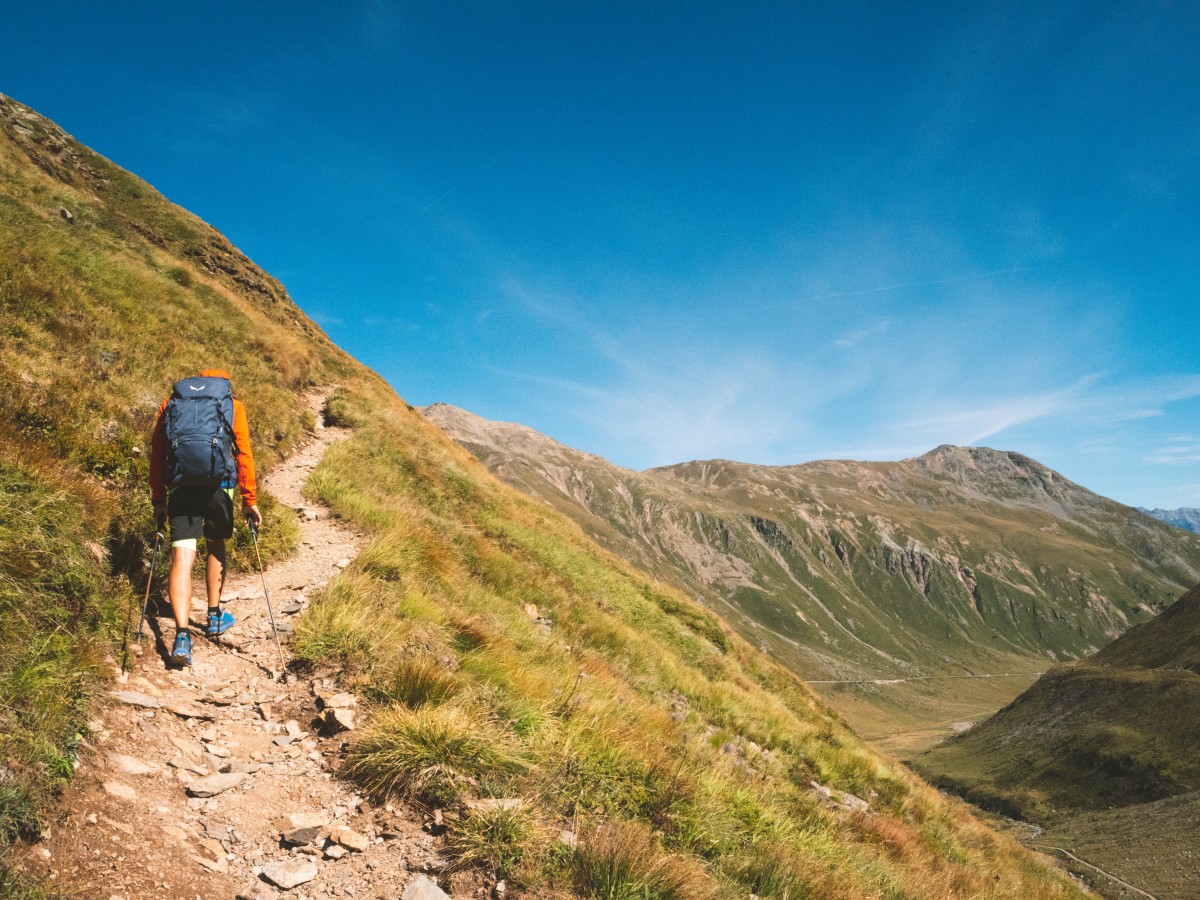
(1102, 751)
(961, 561)
(1186, 518)
(496, 651)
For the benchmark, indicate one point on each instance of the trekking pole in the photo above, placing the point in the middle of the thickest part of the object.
(158, 539)
(267, 595)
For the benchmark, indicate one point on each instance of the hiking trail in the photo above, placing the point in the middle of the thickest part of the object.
(185, 776)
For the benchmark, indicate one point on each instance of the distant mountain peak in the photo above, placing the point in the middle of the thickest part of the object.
(984, 458)
(1187, 518)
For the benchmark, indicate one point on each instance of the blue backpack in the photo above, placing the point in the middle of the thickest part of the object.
(199, 429)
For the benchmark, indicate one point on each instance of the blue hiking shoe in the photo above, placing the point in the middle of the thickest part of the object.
(219, 622)
(181, 655)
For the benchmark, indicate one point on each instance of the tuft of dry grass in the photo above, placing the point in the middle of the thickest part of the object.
(622, 861)
(416, 681)
(497, 837)
(431, 753)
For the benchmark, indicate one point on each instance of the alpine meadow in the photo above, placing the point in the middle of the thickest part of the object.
(497, 651)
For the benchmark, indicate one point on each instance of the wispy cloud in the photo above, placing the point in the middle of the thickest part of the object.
(1089, 404)
(719, 370)
(684, 410)
(1179, 450)
(856, 337)
(895, 288)
(970, 424)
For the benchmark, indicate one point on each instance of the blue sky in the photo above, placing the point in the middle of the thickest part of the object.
(657, 232)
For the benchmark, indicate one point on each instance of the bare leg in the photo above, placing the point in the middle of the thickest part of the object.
(179, 585)
(215, 572)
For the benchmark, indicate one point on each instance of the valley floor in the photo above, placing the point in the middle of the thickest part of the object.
(1155, 846)
(905, 718)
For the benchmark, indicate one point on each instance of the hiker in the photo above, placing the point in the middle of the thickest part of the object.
(199, 454)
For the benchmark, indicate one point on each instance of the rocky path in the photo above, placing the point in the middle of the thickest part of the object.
(219, 781)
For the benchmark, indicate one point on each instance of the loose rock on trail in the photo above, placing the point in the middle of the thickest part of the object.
(218, 781)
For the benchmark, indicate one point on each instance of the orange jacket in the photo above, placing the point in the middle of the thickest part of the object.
(242, 453)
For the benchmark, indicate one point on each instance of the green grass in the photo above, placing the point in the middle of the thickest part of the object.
(14, 886)
(55, 606)
(623, 862)
(497, 839)
(432, 754)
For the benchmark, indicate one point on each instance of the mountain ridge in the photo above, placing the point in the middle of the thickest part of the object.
(1187, 518)
(958, 561)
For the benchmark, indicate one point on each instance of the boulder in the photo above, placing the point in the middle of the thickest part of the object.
(186, 765)
(131, 766)
(256, 890)
(189, 711)
(335, 720)
(211, 785)
(300, 827)
(423, 888)
(120, 790)
(136, 698)
(349, 838)
(290, 873)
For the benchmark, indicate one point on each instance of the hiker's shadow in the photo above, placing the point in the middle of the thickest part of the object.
(155, 610)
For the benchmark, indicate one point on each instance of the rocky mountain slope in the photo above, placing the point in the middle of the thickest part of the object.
(1102, 751)
(1186, 518)
(904, 575)
(557, 719)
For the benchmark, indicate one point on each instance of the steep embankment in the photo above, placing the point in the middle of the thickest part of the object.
(571, 726)
(964, 560)
(1104, 752)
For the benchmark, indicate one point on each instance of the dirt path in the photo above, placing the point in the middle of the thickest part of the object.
(150, 814)
(1091, 867)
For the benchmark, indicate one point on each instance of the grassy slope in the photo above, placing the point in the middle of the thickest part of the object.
(1116, 729)
(472, 696)
(575, 717)
(965, 560)
(1107, 743)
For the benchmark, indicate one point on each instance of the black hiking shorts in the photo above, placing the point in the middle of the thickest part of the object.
(195, 511)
